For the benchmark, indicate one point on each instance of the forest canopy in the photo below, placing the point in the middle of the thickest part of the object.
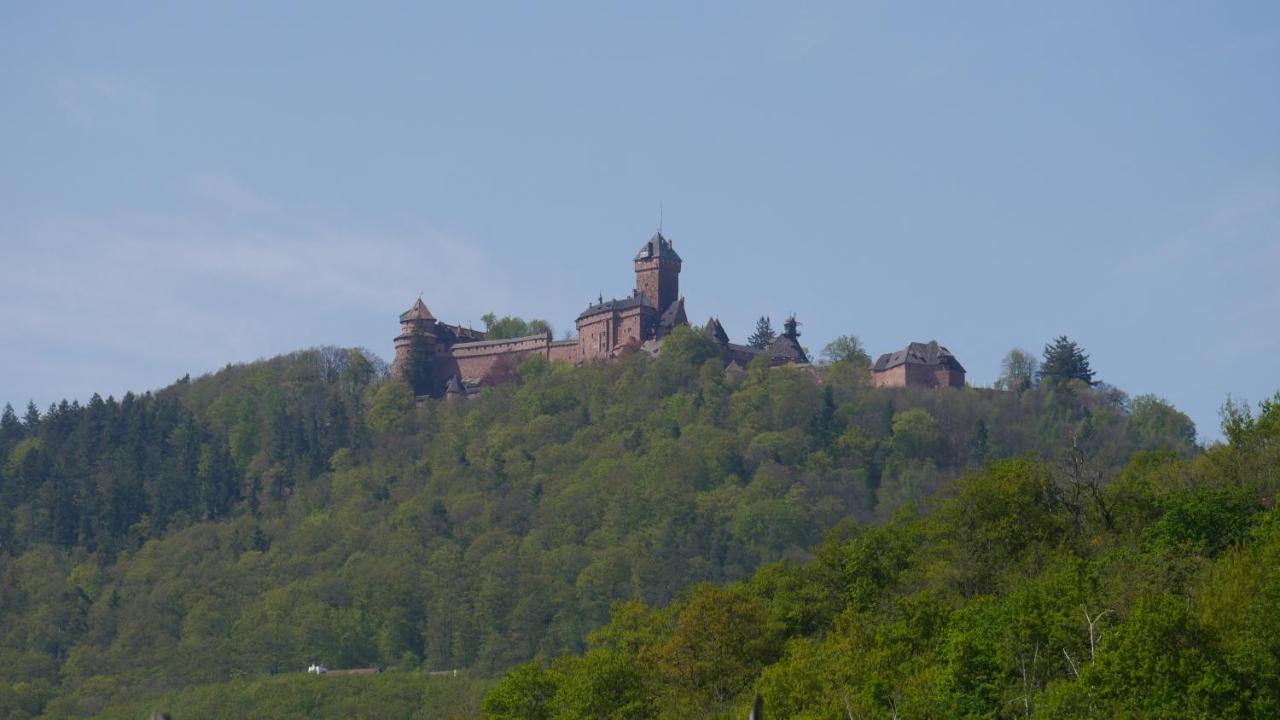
(305, 509)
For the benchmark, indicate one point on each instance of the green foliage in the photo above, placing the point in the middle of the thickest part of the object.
(524, 693)
(497, 328)
(1064, 361)
(194, 542)
(391, 409)
(1202, 522)
(1156, 421)
(846, 349)
(1018, 371)
(1009, 599)
(311, 697)
(763, 335)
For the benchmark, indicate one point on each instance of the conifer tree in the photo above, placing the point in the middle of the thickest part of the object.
(10, 426)
(31, 421)
(1065, 360)
(763, 335)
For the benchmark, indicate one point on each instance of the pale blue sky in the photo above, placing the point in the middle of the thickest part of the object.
(183, 186)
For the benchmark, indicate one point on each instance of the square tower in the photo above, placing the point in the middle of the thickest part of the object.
(658, 272)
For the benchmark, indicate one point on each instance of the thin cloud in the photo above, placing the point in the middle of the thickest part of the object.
(191, 292)
(225, 191)
(88, 99)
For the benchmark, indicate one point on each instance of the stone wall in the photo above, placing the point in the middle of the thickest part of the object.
(932, 376)
(659, 280)
(595, 337)
(893, 377)
(483, 361)
(563, 351)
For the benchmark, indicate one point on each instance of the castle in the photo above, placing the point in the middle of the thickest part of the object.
(438, 359)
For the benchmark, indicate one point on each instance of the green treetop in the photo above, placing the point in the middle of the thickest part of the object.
(1065, 360)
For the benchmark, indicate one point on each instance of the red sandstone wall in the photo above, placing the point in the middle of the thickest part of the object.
(563, 351)
(893, 377)
(475, 362)
(921, 376)
(630, 329)
(595, 338)
(918, 376)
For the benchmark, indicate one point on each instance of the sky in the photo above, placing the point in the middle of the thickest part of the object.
(187, 185)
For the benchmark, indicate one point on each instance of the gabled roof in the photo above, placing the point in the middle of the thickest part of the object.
(454, 386)
(419, 311)
(714, 330)
(673, 316)
(657, 247)
(930, 353)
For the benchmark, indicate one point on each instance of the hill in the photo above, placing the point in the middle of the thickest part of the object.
(1029, 591)
(304, 509)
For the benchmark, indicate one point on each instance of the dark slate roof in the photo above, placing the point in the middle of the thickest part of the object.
(787, 347)
(614, 305)
(454, 386)
(674, 316)
(657, 247)
(419, 311)
(714, 330)
(930, 353)
(500, 341)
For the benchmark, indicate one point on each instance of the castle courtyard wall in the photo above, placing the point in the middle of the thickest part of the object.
(563, 351)
(474, 362)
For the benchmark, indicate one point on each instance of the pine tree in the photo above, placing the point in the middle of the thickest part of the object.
(31, 421)
(1064, 360)
(763, 335)
(10, 426)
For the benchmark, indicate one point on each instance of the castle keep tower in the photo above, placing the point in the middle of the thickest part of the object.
(658, 272)
(415, 348)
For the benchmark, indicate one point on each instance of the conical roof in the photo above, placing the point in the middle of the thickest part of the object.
(419, 311)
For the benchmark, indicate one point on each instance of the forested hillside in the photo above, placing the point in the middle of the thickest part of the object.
(1029, 591)
(303, 509)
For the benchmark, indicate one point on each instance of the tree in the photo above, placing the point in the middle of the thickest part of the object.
(509, 326)
(31, 420)
(391, 408)
(10, 426)
(720, 642)
(522, 694)
(1158, 424)
(915, 434)
(763, 335)
(1065, 360)
(846, 348)
(1017, 371)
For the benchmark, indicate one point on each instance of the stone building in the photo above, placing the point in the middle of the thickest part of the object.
(438, 359)
(918, 365)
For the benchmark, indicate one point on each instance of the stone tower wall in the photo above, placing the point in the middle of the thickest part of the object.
(659, 280)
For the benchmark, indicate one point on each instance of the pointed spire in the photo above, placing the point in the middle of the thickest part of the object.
(419, 311)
